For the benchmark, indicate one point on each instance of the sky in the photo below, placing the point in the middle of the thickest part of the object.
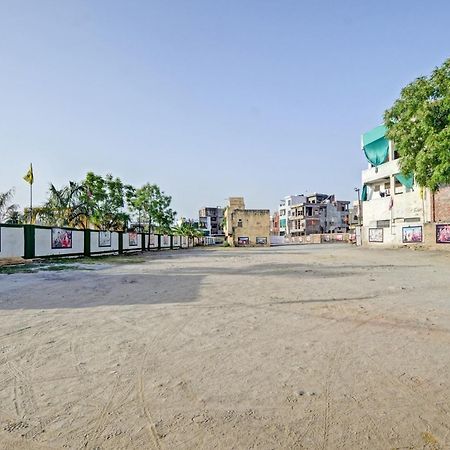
(207, 98)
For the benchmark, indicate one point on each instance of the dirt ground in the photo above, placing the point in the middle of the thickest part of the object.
(315, 347)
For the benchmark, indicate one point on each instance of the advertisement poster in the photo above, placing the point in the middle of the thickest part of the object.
(61, 238)
(412, 234)
(243, 240)
(132, 239)
(261, 240)
(104, 239)
(443, 234)
(375, 234)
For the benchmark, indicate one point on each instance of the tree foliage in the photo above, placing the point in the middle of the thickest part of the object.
(419, 125)
(9, 212)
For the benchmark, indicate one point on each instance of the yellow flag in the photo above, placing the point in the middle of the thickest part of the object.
(29, 177)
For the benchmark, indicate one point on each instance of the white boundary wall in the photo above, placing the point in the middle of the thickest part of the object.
(95, 248)
(165, 241)
(12, 242)
(126, 242)
(43, 243)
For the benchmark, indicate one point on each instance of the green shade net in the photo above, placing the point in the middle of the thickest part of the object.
(407, 181)
(364, 194)
(375, 145)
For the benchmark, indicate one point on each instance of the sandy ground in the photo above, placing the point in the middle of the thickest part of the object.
(316, 347)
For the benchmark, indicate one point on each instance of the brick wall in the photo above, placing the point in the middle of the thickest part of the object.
(442, 204)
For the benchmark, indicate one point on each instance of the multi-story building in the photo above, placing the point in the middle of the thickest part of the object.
(275, 224)
(319, 213)
(246, 227)
(391, 201)
(285, 211)
(210, 220)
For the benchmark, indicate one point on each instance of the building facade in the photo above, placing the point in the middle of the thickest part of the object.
(395, 208)
(285, 211)
(319, 214)
(210, 220)
(246, 227)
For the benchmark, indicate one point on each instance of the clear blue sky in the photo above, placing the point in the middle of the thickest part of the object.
(209, 99)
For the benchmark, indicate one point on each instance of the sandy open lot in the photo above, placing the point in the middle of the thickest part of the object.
(298, 347)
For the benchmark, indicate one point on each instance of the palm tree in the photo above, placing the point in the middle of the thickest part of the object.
(8, 211)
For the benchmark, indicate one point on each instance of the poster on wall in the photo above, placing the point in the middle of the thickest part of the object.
(243, 240)
(61, 238)
(339, 237)
(104, 239)
(443, 234)
(261, 241)
(412, 234)
(152, 240)
(375, 234)
(132, 239)
(165, 241)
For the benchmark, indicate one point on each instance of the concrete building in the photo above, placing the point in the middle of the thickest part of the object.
(318, 214)
(275, 224)
(285, 211)
(396, 211)
(391, 202)
(210, 219)
(246, 227)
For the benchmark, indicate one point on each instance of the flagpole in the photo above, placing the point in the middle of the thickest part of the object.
(31, 203)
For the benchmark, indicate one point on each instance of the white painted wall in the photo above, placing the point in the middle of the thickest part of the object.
(184, 242)
(95, 248)
(165, 241)
(176, 241)
(12, 242)
(126, 242)
(392, 236)
(43, 243)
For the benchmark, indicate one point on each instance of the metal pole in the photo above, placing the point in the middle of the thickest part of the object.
(31, 203)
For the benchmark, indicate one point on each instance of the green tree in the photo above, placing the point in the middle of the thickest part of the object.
(9, 212)
(154, 207)
(64, 207)
(419, 125)
(104, 201)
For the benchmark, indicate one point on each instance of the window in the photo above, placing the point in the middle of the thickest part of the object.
(239, 224)
(383, 223)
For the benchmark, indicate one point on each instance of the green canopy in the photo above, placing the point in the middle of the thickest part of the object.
(407, 181)
(364, 193)
(375, 145)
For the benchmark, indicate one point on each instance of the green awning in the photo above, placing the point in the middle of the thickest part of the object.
(364, 193)
(407, 181)
(375, 145)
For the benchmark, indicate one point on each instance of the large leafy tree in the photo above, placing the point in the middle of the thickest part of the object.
(153, 206)
(104, 201)
(419, 125)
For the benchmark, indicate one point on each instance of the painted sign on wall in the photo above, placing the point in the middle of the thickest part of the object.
(261, 240)
(375, 234)
(132, 239)
(412, 234)
(443, 233)
(243, 240)
(104, 239)
(61, 238)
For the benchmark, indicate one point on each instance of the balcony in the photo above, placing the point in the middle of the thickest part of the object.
(384, 170)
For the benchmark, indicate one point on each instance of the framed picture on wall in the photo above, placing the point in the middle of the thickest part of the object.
(412, 234)
(61, 238)
(104, 239)
(243, 240)
(261, 240)
(443, 233)
(132, 239)
(375, 234)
